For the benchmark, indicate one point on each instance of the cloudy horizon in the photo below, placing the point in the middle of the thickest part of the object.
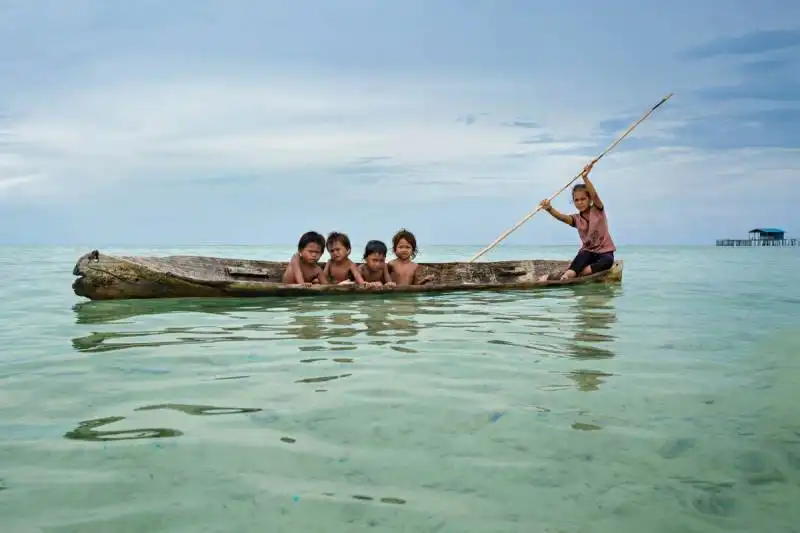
(250, 123)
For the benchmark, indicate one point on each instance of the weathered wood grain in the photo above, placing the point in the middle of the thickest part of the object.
(107, 277)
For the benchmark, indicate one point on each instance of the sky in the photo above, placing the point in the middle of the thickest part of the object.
(198, 122)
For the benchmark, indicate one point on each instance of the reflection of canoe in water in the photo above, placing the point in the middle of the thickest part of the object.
(106, 277)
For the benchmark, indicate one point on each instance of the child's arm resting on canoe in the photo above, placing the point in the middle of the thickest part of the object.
(296, 271)
(387, 277)
(419, 279)
(566, 219)
(356, 273)
(326, 272)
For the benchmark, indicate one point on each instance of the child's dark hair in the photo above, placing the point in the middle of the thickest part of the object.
(310, 237)
(334, 237)
(580, 187)
(375, 247)
(406, 235)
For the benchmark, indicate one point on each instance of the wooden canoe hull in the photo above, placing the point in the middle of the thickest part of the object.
(107, 277)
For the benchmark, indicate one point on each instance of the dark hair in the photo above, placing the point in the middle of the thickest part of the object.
(375, 247)
(310, 237)
(334, 237)
(403, 233)
(580, 187)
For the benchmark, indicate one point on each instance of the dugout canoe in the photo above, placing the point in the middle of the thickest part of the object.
(108, 277)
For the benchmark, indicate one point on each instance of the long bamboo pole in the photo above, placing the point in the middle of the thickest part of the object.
(596, 159)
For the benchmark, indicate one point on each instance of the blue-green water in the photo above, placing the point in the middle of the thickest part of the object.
(668, 404)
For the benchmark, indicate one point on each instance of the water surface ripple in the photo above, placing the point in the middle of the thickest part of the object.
(665, 404)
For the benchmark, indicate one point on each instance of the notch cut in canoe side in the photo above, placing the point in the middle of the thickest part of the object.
(256, 273)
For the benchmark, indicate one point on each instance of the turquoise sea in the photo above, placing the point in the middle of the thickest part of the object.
(667, 404)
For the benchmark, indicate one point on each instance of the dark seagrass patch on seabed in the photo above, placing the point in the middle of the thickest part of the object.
(791, 448)
(583, 426)
(721, 503)
(366, 498)
(676, 447)
(385, 499)
(760, 468)
(496, 415)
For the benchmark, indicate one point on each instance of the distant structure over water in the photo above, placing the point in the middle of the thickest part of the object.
(761, 237)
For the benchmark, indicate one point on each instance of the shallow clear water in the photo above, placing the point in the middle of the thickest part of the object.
(667, 404)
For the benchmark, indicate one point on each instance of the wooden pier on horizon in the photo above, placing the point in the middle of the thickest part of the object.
(761, 237)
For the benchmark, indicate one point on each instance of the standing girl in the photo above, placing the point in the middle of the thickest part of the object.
(597, 247)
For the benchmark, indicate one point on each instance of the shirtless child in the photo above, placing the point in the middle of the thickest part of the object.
(340, 269)
(375, 270)
(303, 268)
(403, 270)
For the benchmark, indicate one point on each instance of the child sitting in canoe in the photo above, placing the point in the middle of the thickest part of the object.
(597, 250)
(403, 269)
(374, 270)
(340, 269)
(303, 268)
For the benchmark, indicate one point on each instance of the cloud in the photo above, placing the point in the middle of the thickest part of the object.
(212, 124)
(9, 182)
(775, 128)
(771, 77)
(539, 139)
(774, 81)
(788, 91)
(769, 67)
(204, 128)
(527, 124)
(753, 43)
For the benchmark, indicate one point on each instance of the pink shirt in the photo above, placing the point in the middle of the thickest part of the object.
(593, 231)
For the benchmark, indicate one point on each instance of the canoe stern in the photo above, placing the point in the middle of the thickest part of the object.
(105, 277)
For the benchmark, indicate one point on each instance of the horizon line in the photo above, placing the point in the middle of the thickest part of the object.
(251, 245)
